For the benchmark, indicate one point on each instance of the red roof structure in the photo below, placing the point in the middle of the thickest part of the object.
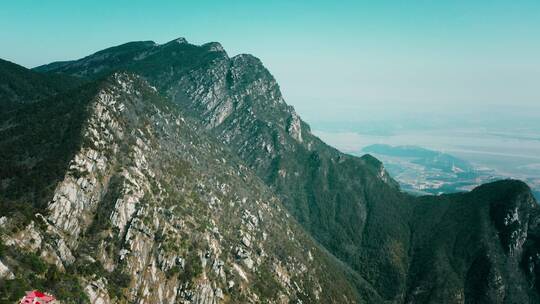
(37, 297)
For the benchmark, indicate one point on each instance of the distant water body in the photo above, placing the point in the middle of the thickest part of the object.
(512, 155)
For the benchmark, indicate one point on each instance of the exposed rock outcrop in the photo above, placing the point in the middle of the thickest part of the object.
(162, 214)
(196, 182)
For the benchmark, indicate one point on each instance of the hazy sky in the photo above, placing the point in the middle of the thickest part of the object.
(330, 57)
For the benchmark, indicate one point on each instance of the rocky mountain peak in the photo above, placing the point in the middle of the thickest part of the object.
(151, 209)
(187, 178)
(214, 46)
(181, 40)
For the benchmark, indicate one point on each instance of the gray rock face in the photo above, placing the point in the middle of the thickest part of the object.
(97, 292)
(295, 127)
(185, 220)
(76, 197)
(156, 209)
(512, 221)
(5, 272)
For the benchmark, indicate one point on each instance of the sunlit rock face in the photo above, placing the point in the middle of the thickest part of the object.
(163, 214)
(186, 178)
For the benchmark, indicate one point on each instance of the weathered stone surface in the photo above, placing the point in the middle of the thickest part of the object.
(5, 272)
(162, 212)
(97, 292)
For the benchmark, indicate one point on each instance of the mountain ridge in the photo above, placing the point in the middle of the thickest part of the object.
(129, 230)
(402, 249)
(21, 85)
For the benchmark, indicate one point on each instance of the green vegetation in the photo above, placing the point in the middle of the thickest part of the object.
(22, 86)
(266, 284)
(37, 141)
(390, 246)
(31, 272)
(193, 268)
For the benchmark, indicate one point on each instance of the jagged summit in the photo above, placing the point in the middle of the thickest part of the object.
(214, 46)
(180, 40)
(145, 206)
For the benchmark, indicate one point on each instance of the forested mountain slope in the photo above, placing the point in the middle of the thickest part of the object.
(477, 247)
(109, 194)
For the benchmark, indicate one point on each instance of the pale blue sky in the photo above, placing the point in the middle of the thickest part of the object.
(331, 58)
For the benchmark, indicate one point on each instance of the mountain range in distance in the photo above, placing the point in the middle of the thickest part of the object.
(175, 173)
(423, 171)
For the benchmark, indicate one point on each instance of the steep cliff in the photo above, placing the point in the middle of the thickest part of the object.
(328, 192)
(148, 209)
(477, 247)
